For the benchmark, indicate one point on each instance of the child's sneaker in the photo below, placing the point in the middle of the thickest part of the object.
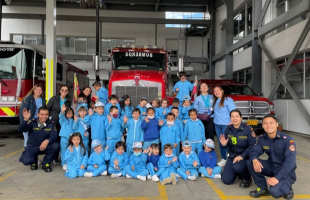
(88, 174)
(203, 176)
(142, 178)
(193, 178)
(217, 176)
(177, 175)
(128, 176)
(166, 180)
(155, 178)
(221, 163)
(116, 175)
(104, 173)
(174, 178)
(149, 177)
(65, 167)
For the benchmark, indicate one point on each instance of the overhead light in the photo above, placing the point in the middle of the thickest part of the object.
(132, 4)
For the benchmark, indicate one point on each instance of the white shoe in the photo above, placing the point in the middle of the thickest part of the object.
(193, 178)
(203, 176)
(155, 178)
(221, 163)
(128, 176)
(217, 176)
(65, 167)
(88, 174)
(149, 177)
(142, 178)
(104, 173)
(115, 175)
(177, 175)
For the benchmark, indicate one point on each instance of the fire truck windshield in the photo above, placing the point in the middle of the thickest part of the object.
(139, 60)
(14, 61)
(237, 90)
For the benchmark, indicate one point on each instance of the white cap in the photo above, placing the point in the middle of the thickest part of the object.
(137, 145)
(99, 104)
(209, 143)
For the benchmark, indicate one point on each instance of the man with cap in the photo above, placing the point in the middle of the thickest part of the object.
(208, 161)
(97, 160)
(137, 163)
(97, 121)
(101, 93)
(281, 163)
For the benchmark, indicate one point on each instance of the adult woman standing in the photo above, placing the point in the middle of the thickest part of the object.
(54, 107)
(222, 107)
(33, 100)
(87, 93)
(239, 139)
(203, 105)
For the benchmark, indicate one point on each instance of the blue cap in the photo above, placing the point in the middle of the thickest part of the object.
(186, 98)
(95, 143)
(186, 143)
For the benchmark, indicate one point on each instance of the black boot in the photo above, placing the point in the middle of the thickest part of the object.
(34, 166)
(290, 195)
(46, 167)
(259, 192)
(245, 183)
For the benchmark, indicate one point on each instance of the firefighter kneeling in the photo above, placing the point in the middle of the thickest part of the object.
(42, 139)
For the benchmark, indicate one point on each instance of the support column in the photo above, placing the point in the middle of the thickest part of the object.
(256, 49)
(0, 18)
(155, 34)
(229, 37)
(212, 42)
(51, 58)
(42, 31)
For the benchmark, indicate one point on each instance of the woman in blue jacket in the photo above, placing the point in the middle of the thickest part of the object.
(33, 100)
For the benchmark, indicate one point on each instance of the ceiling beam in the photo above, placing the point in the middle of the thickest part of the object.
(157, 5)
(162, 2)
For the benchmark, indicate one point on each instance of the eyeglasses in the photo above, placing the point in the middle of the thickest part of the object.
(63, 90)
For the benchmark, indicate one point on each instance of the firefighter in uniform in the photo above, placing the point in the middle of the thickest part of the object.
(239, 139)
(281, 163)
(42, 139)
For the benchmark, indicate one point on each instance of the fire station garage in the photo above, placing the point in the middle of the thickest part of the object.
(101, 99)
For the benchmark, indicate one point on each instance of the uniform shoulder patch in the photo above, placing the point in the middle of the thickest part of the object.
(253, 134)
(291, 141)
(292, 147)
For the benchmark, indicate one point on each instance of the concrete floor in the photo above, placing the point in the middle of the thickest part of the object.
(19, 182)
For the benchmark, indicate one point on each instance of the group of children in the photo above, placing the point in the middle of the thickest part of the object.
(146, 128)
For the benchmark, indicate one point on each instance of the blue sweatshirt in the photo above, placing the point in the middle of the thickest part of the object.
(75, 158)
(122, 159)
(99, 159)
(113, 130)
(138, 161)
(163, 163)
(208, 159)
(153, 159)
(184, 112)
(159, 114)
(194, 131)
(102, 94)
(169, 135)
(97, 124)
(107, 109)
(126, 111)
(187, 163)
(66, 126)
(134, 131)
(81, 127)
(184, 89)
(142, 111)
(151, 129)
(81, 105)
(222, 114)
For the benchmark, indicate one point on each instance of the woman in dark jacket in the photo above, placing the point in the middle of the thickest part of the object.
(33, 100)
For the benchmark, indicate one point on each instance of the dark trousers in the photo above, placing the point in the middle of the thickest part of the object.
(277, 191)
(58, 127)
(30, 155)
(232, 170)
(209, 128)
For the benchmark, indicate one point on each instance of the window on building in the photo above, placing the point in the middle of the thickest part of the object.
(239, 26)
(59, 72)
(30, 40)
(91, 46)
(39, 65)
(243, 76)
(59, 44)
(80, 46)
(185, 15)
(68, 46)
(106, 44)
(18, 39)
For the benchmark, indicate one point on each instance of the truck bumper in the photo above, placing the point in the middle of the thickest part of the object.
(7, 111)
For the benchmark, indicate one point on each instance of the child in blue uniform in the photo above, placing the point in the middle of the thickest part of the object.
(137, 164)
(189, 162)
(81, 126)
(134, 130)
(66, 122)
(118, 161)
(151, 127)
(183, 87)
(126, 107)
(113, 101)
(76, 156)
(101, 93)
(96, 162)
(155, 103)
(194, 131)
(82, 102)
(168, 164)
(163, 110)
(114, 128)
(180, 126)
(208, 161)
(142, 107)
(169, 134)
(176, 103)
(186, 107)
(152, 162)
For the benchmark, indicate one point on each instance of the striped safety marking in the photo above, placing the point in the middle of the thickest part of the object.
(49, 78)
(6, 111)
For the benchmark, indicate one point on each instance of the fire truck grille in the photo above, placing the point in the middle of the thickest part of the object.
(136, 93)
(253, 107)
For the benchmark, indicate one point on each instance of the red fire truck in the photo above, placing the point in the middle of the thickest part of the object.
(21, 67)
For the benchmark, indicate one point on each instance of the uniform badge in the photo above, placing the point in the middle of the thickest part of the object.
(253, 134)
(292, 147)
(291, 142)
(284, 137)
(234, 140)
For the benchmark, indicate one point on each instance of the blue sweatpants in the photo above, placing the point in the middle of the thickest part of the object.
(85, 142)
(96, 171)
(146, 144)
(216, 170)
(219, 129)
(129, 149)
(73, 173)
(197, 147)
(111, 170)
(152, 171)
(166, 174)
(63, 148)
(232, 170)
(183, 174)
(111, 143)
(135, 173)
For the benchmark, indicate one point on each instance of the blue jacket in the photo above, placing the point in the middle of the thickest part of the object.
(180, 126)
(113, 130)
(194, 131)
(107, 109)
(122, 159)
(81, 105)
(184, 112)
(102, 94)
(163, 163)
(200, 105)
(66, 126)
(245, 140)
(29, 103)
(151, 130)
(138, 161)
(38, 135)
(208, 159)
(134, 131)
(75, 158)
(97, 124)
(281, 154)
(187, 164)
(169, 135)
(99, 159)
(78, 126)
(222, 114)
(153, 159)
(127, 111)
(142, 111)
(184, 89)
(160, 113)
